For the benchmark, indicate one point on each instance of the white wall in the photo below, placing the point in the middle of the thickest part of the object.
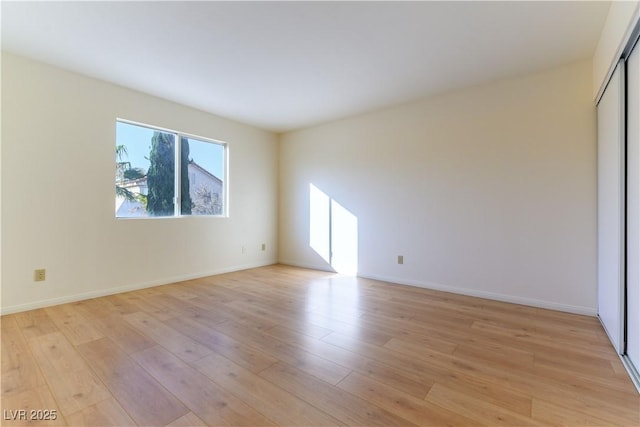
(58, 139)
(622, 17)
(488, 191)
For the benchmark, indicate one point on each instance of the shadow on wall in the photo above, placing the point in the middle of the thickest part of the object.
(333, 232)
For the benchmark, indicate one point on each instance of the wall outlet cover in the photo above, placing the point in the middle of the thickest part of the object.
(40, 275)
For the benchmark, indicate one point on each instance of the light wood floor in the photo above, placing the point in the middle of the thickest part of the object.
(285, 346)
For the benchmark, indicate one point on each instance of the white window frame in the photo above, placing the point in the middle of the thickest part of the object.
(177, 208)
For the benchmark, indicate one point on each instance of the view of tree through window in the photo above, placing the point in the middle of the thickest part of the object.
(147, 180)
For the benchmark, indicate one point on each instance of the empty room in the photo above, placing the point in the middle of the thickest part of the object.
(320, 213)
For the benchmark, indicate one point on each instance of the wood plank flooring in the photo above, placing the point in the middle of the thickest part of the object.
(286, 346)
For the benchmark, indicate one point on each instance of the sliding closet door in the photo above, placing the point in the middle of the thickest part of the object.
(611, 208)
(633, 207)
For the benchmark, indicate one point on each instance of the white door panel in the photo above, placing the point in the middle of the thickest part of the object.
(633, 207)
(610, 208)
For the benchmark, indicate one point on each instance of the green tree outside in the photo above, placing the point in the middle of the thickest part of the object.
(185, 196)
(125, 172)
(160, 177)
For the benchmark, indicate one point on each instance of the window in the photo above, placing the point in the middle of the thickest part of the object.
(148, 183)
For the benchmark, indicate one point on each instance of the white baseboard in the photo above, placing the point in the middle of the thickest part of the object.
(587, 311)
(127, 288)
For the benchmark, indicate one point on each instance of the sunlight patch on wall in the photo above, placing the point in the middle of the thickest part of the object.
(319, 225)
(333, 232)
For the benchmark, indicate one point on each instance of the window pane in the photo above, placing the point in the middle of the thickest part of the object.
(145, 167)
(202, 177)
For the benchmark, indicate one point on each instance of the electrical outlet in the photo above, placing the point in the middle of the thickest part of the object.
(244, 249)
(40, 275)
(264, 246)
(400, 259)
